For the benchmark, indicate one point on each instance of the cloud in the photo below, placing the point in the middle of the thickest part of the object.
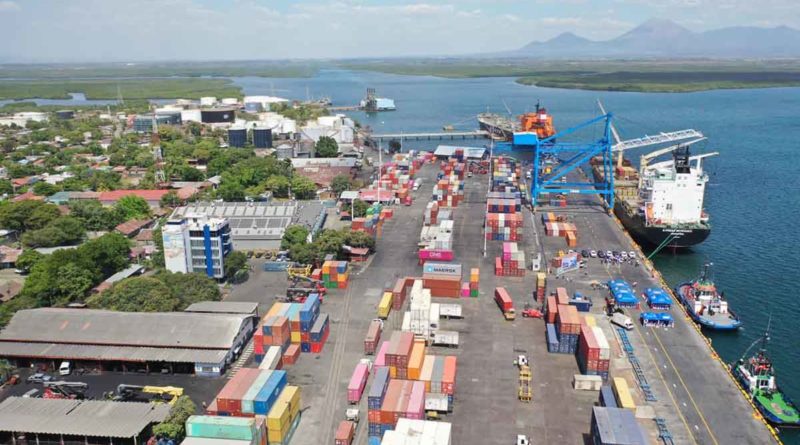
(8, 5)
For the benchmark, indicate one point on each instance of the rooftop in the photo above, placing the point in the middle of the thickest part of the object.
(223, 307)
(148, 195)
(79, 417)
(145, 329)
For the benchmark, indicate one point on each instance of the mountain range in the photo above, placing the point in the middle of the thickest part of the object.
(660, 38)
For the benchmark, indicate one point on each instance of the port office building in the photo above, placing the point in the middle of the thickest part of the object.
(179, 342)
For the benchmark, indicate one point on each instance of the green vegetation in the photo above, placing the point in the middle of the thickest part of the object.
(95, 216)
(326, 242)
(283, 68)
(607, 75)
(133, 207)
(66, 275)
(326, 147)
(235, 262)
(300, 113)
(359, 208)
(41, 224)
(163, 292)
(341, 183)
(130, 88)
(174, 426)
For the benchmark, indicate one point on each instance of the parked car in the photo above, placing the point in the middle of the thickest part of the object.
(632, 255)
(609, 254)
(601, 254)
(39, 377)
(624, 255)
(593, 253)
(585, 253)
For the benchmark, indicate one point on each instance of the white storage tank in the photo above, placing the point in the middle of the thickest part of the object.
(191, 115)
(327, 121)
(288, 126)
(207, 101)
(230, 101)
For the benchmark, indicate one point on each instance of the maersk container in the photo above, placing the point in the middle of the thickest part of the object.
(269, 393)
(222, 427)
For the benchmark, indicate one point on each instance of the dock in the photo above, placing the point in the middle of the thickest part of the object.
(445, 135)
(690, 397)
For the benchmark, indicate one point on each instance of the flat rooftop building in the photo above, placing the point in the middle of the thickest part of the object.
(78, 421)
(184, 342)
(258, 225)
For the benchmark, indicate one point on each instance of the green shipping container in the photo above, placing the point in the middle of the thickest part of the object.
(474, 293)
(222, 427)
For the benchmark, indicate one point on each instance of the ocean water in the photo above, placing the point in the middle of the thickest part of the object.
(753, 195)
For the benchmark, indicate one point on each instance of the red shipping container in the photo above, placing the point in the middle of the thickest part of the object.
(229, 399)
(588, 348)
(562, 295)
(552, 309)
(568, 321)
(373, 337)
(345, 432)
(291, 355)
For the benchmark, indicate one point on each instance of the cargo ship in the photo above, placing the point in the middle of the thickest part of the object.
(502, 128)
(661, 204)
(757, 376)
(705, 305)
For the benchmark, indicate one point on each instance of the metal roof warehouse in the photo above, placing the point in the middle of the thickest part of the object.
(203, 343)
(81, 418)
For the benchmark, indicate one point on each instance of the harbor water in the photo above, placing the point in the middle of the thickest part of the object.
(753, 195)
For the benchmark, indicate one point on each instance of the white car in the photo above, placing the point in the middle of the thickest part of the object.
(593, 253)
(523, 440)
(609, 254)
(632, 255)
(624, 254)
(65, 368)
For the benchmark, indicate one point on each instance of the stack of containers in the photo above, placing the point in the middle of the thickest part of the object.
(401, 287)
(615, 426)
(291, 355)
(411, 431)
(416, 359)
(284, 416)
(511, 263)
(562, 296)
(251, 391)
(504, 219)
(319, 333)
(380, 359)
(344, 433)
(439, 375)
(431, 216)
(436, 242)
(505, 175)
(227, 430)
(551, 310)
(474, 282)
(398, 353)
(335, 274)
(419, 310)
(541, 285)
(563, 229)
(443, 279)
(377, 392)
(373, 336)
(404, 398)
(273, 331)
(309, 313)
(594, 352)
(568, 328)
(358, 381)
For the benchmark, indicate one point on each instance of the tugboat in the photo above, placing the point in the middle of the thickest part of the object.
(706, 306)
(757, 377)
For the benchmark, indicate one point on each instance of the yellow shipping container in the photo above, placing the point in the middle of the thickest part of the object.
(623, 394)
(416, 359)
(385, 306)
(296, 338)
(392, 372)
(590, 321)
(541, 279)
(283, 413)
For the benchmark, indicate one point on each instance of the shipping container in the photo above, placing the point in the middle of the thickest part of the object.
(249, 397)
(344, 433)
(385, 305)
(272, 358)
(357, 383)
(229, 399)
(222, 427)
(615, 426)
(380, 359)
(378, 388)
(623, 394)
(373, 336)
(283, 414)
(607, 397)
(269, 392)
(504, 302)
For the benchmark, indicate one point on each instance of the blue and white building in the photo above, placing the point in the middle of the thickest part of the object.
(196, 243)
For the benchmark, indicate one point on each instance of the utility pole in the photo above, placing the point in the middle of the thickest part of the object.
(489, 189)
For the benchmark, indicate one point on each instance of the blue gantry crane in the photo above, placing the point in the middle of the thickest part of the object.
(570, 155)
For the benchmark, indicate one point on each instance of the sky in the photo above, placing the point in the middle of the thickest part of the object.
(140, 30)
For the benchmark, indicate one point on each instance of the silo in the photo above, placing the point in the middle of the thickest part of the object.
(237, 137)
(262, 137)
(65, 114)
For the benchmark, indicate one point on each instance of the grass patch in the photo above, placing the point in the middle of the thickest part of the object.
(130, 88)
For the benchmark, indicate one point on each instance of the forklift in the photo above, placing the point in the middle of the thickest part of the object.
(65, 390)
(300, 287)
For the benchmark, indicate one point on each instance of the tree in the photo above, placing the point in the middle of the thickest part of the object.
(27, 259)
(174, 425)
(360, 239)
(72, 284)
(234, 262)
(158, 256)
(137, 294)
(133, 207)
(327, 147)
(43, 188)
(59, 278)
(108, 254)
(6, 188)
(279, 185)
(303, 188)
(94, 215)
(65, 230)
(27, 215)
(341, 183)
(42, 215)
(231, 191)
(171, 199)
(294, 235)
(360, 208)
(305, 253)
(189, 288)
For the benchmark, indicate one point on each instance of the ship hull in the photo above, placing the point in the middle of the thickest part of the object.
(497, 133)
(654, 236)
(733, 325)
(770, 416)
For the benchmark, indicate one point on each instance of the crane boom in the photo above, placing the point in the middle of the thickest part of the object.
(656, 139)
(613, 128)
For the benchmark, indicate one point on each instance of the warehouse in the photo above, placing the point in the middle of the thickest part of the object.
(259, 225)
(77, 421)
(180, 342)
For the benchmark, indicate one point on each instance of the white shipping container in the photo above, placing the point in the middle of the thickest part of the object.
(587, 382)
(271, 358)
(406, 326)
(602, 342)
(450, 311)
(433, 316)
(436, 402)
(421, 432)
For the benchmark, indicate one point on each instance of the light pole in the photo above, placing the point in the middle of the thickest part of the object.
(489, 189)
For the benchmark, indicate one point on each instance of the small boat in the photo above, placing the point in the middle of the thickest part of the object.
(757, 377)
(705, 305)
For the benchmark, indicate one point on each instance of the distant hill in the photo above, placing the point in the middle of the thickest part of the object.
(659, 38)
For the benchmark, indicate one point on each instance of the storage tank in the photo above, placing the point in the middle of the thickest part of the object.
(237, 137)
(183, 102)
(284, 152)
(192, 115)
(262, 137)
(218, 115)
(65, 114)
(327, 121)
(207, 101)
(230, 101)
(288, 126)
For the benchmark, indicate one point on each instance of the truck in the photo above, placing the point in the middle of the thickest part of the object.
(447, 339)
(622, 320)
(450, 311)
(505, 303)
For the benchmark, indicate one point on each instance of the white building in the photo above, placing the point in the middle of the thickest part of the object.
(196, 243)
(22, 118)
(338, 127)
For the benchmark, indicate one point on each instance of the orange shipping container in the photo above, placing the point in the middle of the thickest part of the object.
(449, 375)
(416, 360)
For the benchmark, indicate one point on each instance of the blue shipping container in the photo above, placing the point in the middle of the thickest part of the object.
(319, 328)
(607, 397)
(305, 347)
(378, 389)
(552, 338)
(269, 393)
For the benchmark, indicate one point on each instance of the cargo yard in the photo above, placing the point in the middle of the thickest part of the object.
(675, 385)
